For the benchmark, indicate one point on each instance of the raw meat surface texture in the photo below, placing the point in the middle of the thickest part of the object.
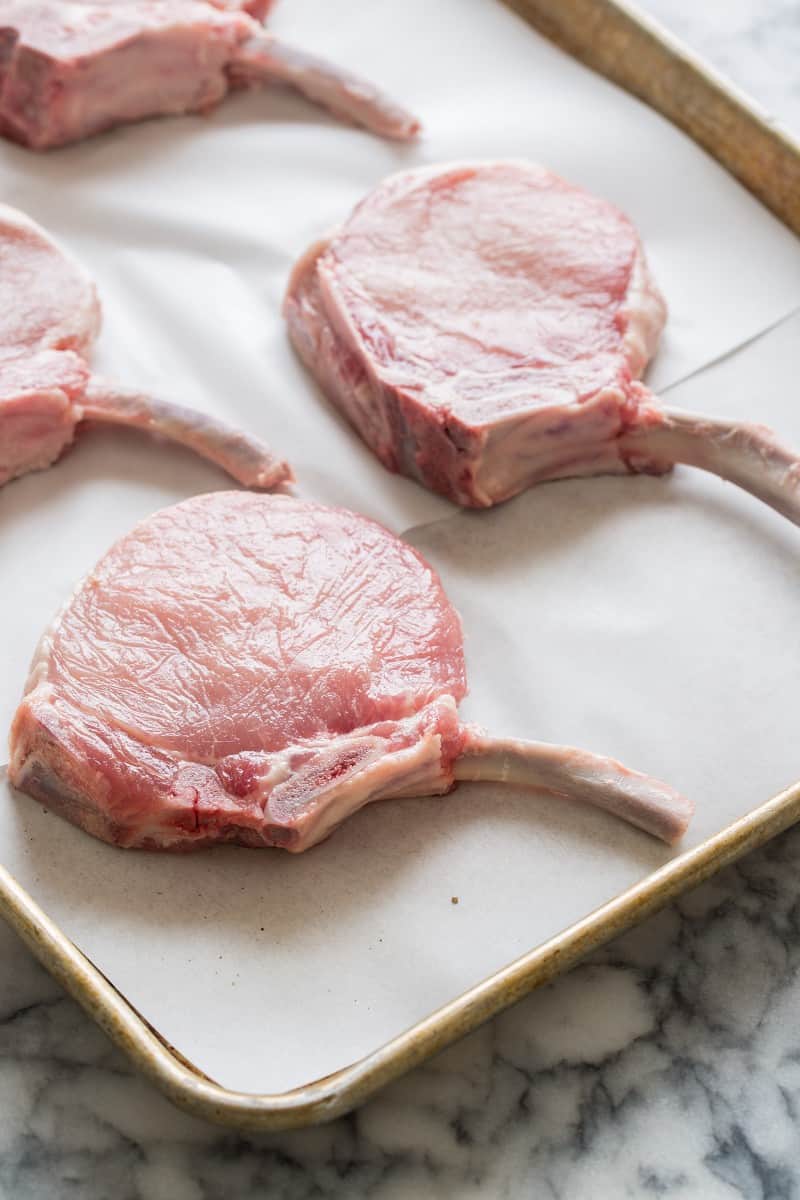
(481, 325)
(73, 68)
(238, 668)
(49, 318)
(47, 299)
(40, 397)
(254, 669)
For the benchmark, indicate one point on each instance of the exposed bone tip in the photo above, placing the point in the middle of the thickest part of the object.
(676, 819)
(276, 478)
(409, 131)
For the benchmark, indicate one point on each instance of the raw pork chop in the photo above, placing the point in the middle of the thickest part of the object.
(483, 327)
(253, 669)
(49, 317)
(71, 68)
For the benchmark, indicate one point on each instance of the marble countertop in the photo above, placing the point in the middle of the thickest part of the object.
(756, 43)
(667, 1064)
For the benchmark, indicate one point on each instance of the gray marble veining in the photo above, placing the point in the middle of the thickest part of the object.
(756, 43)
(666, 1065)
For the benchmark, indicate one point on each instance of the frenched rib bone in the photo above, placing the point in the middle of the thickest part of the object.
(49, 318)
(73, 68)
(484, 326)
(254, 669)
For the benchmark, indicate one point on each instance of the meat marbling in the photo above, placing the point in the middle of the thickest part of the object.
(253, 669)
(49, 318)
(71, 68)
(484, 325)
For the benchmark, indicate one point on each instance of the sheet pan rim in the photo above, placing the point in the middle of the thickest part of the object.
(336, 1094)
(563, 21)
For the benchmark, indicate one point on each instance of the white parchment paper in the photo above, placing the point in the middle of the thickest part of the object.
(650, 619)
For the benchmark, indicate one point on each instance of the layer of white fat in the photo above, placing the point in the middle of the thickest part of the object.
(410, 771)
(564, 441)
(559, 442)
(414, 770)
(527, 447)
(645, 313)
(523, 450)
(325, 354)
(158, 69)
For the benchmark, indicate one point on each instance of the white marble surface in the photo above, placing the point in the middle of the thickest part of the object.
(756, 43)
(668, 1064)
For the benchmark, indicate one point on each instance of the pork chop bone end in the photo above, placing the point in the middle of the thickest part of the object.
(255, 669)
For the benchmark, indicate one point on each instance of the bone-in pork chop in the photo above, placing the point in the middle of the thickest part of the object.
(253, 669)
(483, 326)
(49, 318)
(71, 68)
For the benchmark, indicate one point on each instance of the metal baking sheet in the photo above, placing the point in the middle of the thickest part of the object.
(648, 619)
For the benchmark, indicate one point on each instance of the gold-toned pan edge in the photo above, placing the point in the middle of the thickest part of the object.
(635, 53)
(324, 1099)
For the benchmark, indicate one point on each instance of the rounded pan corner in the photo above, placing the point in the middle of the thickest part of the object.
(324, 1099)
(633, 52)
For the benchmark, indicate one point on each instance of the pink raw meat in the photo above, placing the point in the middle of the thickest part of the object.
(71, 68)
(483, 326)
(254, 669)
(254, 8)
(47, 300)
(49, 318)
